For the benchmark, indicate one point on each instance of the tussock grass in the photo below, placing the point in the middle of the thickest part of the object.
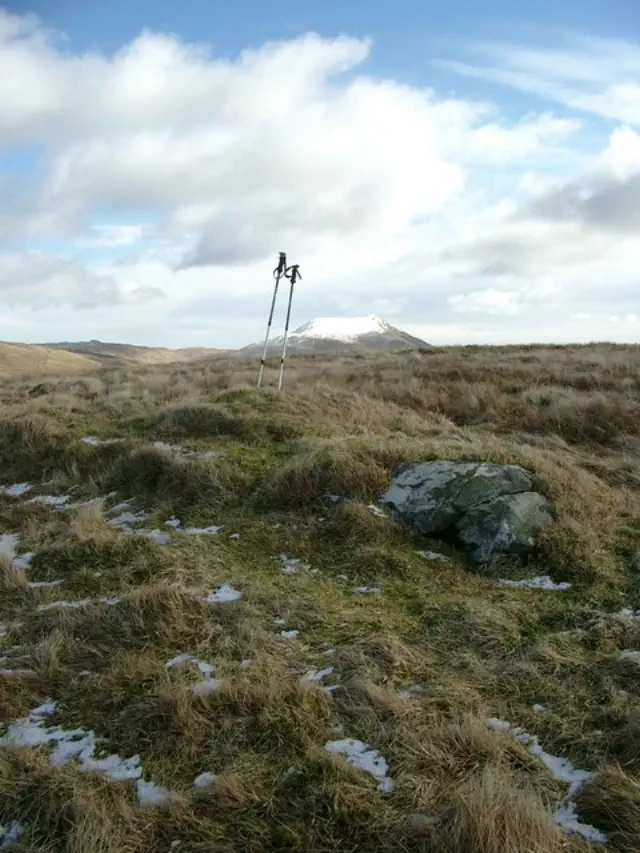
(416, 664)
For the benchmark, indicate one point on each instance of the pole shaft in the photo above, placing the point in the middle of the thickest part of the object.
(279, 271)
(286, 333)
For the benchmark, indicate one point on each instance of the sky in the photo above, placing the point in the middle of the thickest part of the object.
(469, 172)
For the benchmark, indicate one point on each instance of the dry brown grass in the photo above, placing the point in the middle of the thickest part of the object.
(474, 648)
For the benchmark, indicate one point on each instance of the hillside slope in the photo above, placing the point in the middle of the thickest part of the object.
(129, 352)
(212, 638)
(21, 359)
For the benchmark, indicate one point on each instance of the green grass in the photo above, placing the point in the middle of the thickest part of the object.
(475, 648)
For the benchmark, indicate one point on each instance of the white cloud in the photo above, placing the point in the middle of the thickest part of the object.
(593, 75)
(389, 195)
(41, 280)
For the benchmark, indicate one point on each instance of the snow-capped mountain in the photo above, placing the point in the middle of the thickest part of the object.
(336, 334)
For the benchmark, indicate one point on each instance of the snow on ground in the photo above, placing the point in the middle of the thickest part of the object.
(126, 518)
(163, 445)
(290, 635)
(410, 692)
(359, 755)
(341, 328)
(560, 768)
(367, 590)
(16, 490)
(160, 537)
(8, 544)
(291, 565)
(434, 556)
(173, 522)
(50, 500)
(630, 613)
(541, 582)
(10, 833)
(150, 794)
(540, 709)
(222, 595)
(23, 561)
(204, 780)
(94, 441)
(630, 654)
(80, 744)
(76, 604)
(376, 511)
(44, 584)
(205, 668)
(212, 530)
(208, 685)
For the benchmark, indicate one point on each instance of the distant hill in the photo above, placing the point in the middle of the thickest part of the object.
(25, 359)
(340, 334)
(104, 351)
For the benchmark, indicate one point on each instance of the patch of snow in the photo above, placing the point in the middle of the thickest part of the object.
(630, 613)
(160, 537)
(314, 676)
(64, 605)
(235, 537)
(173, 522)
(50, 500)
(330, 689)
(126, 518)
(10, 833)
(410, 692)
(279, 621)
(23, 561)
(202, 531)
(245, 664)
(208, 685)
(16, 490)
(563, 770)
(18, 673)
(121, 506)
(163, 445)
(204, 780)
(359, 755)
(290, 565)
(76, 604)
(83, 504)
(212, 454)
(540, 709)
(204, 667)
(290, 635)
(80, 744)
(341, 328)
(630, 654)
(434, 556)
(150, 794)
(541, 582)
(376, 511)
(367, 590)
(222, 595)
(8, 544)
(94, 441)
(44, 584)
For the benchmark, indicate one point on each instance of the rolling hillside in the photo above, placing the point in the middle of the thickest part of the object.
(28, 359)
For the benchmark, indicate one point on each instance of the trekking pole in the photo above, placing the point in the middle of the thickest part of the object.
(278, 272)
(292, 273)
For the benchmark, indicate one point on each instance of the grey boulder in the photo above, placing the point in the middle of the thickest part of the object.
(492, 509)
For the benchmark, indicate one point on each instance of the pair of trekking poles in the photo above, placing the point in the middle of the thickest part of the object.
(293, 274)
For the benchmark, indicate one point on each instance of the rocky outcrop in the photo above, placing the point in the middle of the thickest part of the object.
(492, 509)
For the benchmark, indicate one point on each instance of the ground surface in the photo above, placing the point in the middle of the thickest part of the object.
(338, 690)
